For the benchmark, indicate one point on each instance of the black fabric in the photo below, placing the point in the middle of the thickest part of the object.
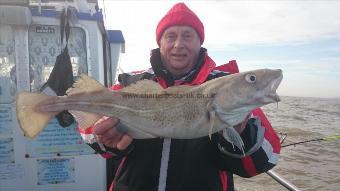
(60, 79)
(64, 118)
(163, 73)
(248, 134)
(112, 165)
(95, 146)
(141, 167)
(217, 74)
(230, 181)
(192, 166)
(126, 79)
(158, 68)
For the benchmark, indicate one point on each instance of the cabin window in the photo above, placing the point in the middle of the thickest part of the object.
(7, 65)
(44, 45)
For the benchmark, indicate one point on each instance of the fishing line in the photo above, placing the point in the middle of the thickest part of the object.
(328, 138)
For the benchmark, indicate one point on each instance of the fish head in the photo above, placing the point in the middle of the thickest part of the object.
(248, 90)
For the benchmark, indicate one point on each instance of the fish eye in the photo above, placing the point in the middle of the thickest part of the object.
(251, 78)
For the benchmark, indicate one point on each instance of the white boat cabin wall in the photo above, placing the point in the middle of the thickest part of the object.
(30, 41)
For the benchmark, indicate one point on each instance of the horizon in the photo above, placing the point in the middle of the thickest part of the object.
(300, 37)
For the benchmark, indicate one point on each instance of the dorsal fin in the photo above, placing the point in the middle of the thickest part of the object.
(85, 84)
(143, 87)
(152, 87)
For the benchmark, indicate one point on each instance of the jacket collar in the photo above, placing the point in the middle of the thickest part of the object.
(197, 75)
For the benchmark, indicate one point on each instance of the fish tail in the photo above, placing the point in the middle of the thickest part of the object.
(30, 118)
(233, 137)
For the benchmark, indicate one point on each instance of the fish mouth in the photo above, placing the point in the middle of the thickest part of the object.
(272, 96)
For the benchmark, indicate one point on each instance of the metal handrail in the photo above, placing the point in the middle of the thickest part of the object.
(282, 181)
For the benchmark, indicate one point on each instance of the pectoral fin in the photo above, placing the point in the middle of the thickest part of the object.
(233, 137)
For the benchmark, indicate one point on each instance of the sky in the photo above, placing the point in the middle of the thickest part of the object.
(301, 37)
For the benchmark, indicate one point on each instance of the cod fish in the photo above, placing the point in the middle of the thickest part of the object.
(148, 111)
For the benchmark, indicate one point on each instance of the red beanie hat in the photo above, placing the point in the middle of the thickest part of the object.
(180, 14)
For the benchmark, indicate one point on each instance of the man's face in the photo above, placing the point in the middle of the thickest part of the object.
(179, 47)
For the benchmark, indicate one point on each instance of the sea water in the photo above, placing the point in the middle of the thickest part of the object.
(309, 166)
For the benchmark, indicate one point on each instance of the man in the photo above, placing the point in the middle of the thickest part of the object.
(190, 164)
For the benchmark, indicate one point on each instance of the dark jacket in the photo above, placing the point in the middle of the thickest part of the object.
(193, 164)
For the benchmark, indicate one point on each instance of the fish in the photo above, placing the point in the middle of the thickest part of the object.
(147, 110)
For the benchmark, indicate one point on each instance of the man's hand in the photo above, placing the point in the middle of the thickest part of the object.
(106, 132)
